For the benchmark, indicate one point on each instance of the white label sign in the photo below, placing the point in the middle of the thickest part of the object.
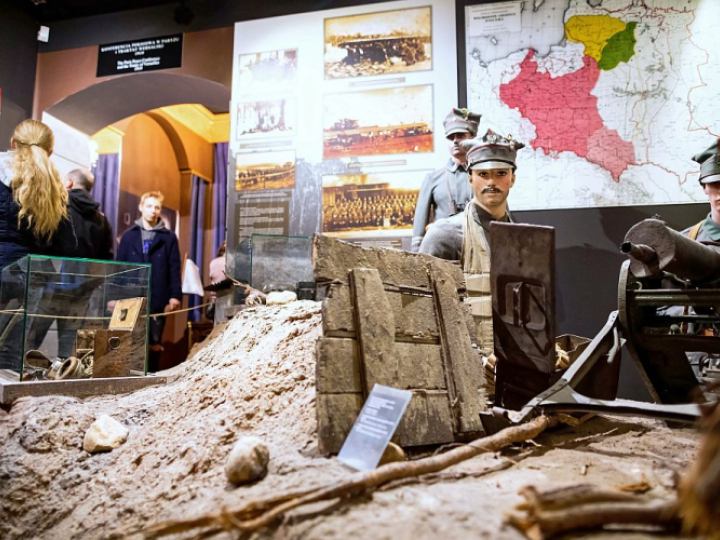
(489, 19)
(374, 427)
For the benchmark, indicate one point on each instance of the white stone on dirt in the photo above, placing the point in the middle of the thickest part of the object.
(278, 298)
(247, 461)
(104, 434)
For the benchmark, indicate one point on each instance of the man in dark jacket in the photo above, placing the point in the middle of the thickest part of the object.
(149, 241)
(84, 234)
(93, 236)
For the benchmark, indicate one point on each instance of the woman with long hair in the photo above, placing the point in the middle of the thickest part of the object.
(33, 200)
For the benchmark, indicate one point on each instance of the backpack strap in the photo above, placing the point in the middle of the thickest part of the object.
(693, 234)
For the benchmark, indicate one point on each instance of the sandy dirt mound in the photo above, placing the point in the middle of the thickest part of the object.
(256, 376)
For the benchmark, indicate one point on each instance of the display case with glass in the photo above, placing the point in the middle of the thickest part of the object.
(66, 318)
(280, 263)
(271, 262)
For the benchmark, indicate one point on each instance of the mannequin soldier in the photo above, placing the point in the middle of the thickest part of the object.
(708, 230)
(446, 191)
(464, 237)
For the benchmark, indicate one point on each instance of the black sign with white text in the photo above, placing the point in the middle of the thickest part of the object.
(142, 55)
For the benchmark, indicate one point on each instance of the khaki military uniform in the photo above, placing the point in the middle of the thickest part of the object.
(444, 192)
(464, 237)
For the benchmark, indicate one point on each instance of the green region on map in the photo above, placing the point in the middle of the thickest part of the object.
(619, 48)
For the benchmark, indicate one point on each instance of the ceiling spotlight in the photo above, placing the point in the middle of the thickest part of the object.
(38, 2)
(183, 14)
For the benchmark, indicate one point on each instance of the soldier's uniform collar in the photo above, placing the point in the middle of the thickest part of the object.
(453, 166)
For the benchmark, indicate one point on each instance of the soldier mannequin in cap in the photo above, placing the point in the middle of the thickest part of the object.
(464, 237)
(708, 230)
(446, 191)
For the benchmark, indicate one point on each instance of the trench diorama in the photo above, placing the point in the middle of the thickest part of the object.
(404, 321)
(73, 326)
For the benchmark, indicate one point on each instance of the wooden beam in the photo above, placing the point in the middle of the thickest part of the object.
(333, 259)
(463, 368)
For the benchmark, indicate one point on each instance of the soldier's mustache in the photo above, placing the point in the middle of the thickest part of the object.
(490, 189)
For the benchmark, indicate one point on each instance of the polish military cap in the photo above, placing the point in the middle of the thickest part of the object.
(461, 121)
(709, 161)
(492, 151)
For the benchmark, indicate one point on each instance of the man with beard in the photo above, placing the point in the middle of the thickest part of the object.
(464, 237)
(446, 191)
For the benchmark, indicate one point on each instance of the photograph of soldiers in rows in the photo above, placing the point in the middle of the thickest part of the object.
(275, 117)
(267, 71)
(378, 43)
(354, 203)
(378, 122)
(265, 170)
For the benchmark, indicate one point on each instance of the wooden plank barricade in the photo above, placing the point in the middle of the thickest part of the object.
(396, 319)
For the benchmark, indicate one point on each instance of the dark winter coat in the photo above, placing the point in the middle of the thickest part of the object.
(15, 241)
(163, 255)
(85, 233)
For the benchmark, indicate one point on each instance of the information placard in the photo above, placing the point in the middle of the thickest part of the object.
(150, 54)
(374, 427)
(489, 19)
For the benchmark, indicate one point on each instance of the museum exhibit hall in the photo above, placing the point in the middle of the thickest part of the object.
(359, 269)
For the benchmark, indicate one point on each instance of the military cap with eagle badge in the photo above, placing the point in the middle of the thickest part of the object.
(461, 121)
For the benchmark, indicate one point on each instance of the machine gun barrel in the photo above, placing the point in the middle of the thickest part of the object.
(641, 252)
(654, 248)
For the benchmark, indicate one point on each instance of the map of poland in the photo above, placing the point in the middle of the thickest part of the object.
(565, 114)
(647, 71)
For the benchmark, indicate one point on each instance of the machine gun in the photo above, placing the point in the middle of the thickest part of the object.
(669, 287)
(669, 303)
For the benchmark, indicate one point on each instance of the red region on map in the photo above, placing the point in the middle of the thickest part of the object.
(566, 116)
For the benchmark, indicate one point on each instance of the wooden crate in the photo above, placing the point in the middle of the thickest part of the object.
(396, 319)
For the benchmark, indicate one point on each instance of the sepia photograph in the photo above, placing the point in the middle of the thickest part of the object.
(370, 204)
(267, 71)
(262, 118)
(378, 43)
(378, 122)
(265, 170)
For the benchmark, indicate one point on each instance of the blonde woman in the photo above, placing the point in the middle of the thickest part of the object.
(33, 200)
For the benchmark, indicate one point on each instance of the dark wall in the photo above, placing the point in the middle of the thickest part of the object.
(158, 21)
(18, 55)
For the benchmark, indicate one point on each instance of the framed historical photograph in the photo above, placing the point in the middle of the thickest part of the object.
(378, 43)
(266, 118)
(378, 122)
(270, 71)
(265, 170)
(370, 204)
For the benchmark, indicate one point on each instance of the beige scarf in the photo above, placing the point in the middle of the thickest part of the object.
(476, 267)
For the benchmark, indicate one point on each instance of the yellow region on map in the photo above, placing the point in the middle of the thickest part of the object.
(593, 31)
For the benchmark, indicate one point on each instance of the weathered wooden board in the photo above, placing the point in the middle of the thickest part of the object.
(10, 391)
(333, 259)
(338, 366)
(336, 414)
(427, 420)
(414, 315)
(113, 353)
(463, 368)
(375, 328)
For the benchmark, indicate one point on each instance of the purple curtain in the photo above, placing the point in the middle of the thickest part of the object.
(197, 230)
(220, 151)
(107, 183)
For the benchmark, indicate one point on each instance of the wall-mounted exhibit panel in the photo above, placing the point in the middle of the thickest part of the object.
(612, 98)
(336, 119)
